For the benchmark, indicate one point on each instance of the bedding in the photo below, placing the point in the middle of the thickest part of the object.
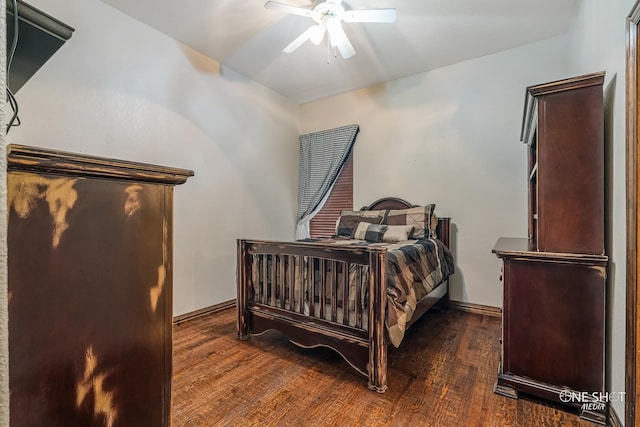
(414, 268)
(397, 233)
(349, 220)
(421, 218)
(370, 232)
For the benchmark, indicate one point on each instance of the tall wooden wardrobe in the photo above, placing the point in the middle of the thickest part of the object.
(554, 280)
(90, 289)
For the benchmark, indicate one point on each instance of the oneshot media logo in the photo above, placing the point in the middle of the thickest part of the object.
(591, 401)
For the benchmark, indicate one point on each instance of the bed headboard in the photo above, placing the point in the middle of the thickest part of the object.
(388, 203)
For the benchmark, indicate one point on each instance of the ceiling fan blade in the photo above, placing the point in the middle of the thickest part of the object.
(309, 33)
(339, 39)
(294, 10)
(370, 15)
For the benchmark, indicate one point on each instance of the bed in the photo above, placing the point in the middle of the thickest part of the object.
(352, 294)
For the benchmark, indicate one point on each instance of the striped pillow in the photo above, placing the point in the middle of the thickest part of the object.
(349, 220)
(370, 232)
(421, 217)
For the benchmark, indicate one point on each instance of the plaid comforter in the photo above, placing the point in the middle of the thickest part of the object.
(415, 267)
(413, 270)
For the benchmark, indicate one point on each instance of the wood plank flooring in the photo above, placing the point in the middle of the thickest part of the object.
(442, 375)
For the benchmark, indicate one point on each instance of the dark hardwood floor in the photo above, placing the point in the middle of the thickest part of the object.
(442, 375)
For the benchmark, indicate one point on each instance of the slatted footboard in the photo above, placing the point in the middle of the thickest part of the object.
(317, 296)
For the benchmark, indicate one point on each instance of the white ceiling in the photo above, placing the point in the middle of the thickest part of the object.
(427, 34)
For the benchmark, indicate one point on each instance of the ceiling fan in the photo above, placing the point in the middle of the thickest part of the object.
(328, 16)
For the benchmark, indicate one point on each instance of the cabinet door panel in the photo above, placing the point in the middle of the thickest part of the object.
(554, 323)
(570, 178)
(87, 310)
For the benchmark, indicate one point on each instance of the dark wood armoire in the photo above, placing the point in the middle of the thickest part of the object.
(553, 320)
(90, 289)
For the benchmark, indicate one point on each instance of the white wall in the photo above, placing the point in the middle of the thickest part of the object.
(598, 43)
(451, 137)
(121, 89)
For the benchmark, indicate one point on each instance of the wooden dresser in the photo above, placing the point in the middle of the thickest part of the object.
(553, 324)
(90, 289)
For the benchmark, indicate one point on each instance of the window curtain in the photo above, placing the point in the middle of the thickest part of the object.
(322, 156)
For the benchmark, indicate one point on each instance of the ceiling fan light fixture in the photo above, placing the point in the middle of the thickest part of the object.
(328, 16)
(336, 33)
(317, 34)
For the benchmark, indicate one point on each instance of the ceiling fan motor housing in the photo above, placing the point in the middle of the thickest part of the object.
(326, 10)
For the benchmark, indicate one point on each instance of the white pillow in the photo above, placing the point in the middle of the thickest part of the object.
(397, 233)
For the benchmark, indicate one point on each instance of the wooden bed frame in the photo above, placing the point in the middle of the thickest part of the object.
(309, 323)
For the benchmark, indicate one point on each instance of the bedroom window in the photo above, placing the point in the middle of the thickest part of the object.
(340, 198)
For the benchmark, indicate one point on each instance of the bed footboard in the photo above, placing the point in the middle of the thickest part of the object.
(318, 296)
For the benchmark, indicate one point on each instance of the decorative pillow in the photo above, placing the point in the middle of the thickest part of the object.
(349, 220)
(420, 217)
(370, 232)
(397, 233)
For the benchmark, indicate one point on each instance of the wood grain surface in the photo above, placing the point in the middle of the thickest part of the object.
(442, 375)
